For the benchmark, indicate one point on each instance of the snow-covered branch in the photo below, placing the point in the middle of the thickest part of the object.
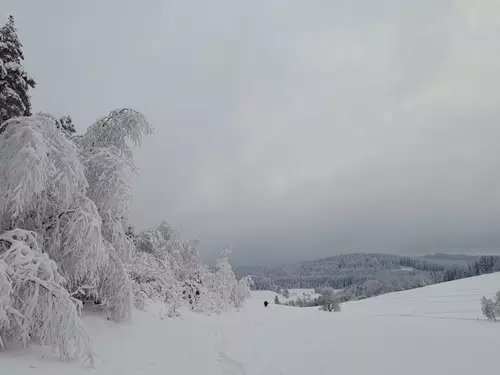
(34, 305)
(115, 129)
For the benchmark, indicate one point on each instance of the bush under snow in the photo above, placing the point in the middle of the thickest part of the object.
(491, 307)
(166, 268)
(34, 305)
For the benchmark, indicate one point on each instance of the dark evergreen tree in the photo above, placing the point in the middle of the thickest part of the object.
(14, 81)
(66, 123)
(286, 293)
(129, 232)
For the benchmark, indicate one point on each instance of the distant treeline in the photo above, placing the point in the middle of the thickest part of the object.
(365, 275)
(483, 265)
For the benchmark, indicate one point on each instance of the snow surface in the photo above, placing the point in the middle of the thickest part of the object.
(432, 330)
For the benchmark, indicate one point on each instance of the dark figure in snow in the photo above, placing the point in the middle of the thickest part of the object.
(265, 303)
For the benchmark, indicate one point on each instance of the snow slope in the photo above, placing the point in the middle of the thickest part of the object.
(432, 330)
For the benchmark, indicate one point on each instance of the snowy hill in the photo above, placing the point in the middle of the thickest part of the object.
(366, 275)
(432, 330)
(360, 275)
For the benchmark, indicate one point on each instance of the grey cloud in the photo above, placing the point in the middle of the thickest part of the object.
(288, 129)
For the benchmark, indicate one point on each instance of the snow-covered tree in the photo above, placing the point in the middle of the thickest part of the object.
(44, 190)
(14, 81)
(243, 290)
(115, 130)
(224, 281)
(276, 300)
(222, 286)
(329, 303)
(34, 305)
(488, 308)
(154, 280)
(109, 169)
(166, 243)
(64, 123)
(491, 307)
(130, 232)
(166, 268)
(77, 198)
(41, 173)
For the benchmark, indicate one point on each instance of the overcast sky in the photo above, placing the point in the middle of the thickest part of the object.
(291, 129)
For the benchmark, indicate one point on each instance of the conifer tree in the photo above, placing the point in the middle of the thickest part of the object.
(488, 308)
(14, 81)
(66, 123)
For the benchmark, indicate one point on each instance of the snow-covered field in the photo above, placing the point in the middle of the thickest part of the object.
(432, 330)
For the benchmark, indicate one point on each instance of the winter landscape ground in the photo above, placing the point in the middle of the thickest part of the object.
(433, 330)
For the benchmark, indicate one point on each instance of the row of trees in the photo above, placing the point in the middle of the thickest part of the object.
(327, 302)
(64, 235)
(365, 275)
(167, 268)
(483, 265)
(360, 275)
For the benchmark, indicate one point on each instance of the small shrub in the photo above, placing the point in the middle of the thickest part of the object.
(329, 303)
(491, 307)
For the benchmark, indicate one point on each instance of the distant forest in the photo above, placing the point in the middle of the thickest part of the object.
(357, 276)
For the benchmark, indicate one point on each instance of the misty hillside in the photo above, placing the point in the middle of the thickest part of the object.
(364, 275)
(450, 260)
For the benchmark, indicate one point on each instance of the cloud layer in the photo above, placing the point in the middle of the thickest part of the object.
(289, 129)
